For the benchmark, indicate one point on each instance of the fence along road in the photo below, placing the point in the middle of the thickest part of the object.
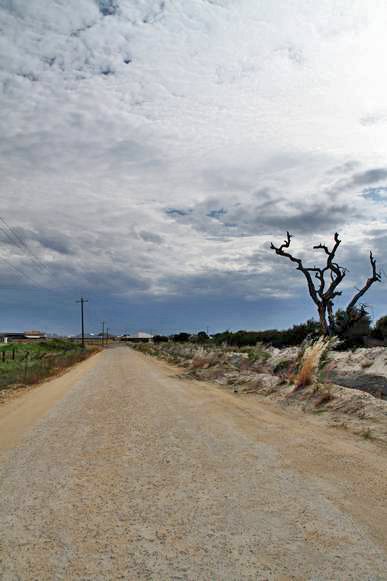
(133, 473)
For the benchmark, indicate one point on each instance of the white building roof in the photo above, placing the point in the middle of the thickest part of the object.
(141, 335)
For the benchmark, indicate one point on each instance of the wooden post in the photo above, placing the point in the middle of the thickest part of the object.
(26, 365)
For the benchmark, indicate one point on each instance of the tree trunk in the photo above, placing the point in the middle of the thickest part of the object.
(331, 318)
(323, 321)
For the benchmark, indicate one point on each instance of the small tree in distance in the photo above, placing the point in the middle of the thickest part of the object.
(323, 284)
(381, 327)
(181, 337)
(160, 339)
(202, 337)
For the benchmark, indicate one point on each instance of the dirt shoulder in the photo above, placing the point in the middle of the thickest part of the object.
(312, 445)
(23, 408)
(269, 373)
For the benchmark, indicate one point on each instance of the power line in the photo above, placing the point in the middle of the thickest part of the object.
(12, 266)
(20, 242)
(12, 240)
(22, 273)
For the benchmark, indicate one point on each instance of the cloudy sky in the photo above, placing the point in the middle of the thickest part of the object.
(150, 150)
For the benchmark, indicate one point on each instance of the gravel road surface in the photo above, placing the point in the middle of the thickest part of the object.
(133, 473)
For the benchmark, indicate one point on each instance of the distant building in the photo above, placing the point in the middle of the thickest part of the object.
(25, 337)
(35, 335)
(139, 337)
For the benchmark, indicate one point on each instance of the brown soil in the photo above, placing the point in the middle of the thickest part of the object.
(130, 472)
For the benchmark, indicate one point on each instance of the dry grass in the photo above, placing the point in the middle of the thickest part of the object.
(310, 362)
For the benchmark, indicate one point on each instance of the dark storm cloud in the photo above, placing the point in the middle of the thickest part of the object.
(115, 282)
(46, 238)
(370, 176)
(358, 180)
(56, 242)
(269, 216)
(244, 283)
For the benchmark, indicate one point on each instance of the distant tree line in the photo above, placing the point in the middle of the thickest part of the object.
(277, 338)
(351, 336)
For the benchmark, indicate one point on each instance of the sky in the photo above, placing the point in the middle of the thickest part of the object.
(150, 151)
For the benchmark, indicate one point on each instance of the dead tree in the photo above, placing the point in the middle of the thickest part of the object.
(323, 283)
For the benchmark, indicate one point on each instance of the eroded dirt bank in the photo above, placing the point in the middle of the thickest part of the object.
(137, 474)
(336, 390)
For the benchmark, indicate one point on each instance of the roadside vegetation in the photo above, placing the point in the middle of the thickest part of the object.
(361, 333)
(28, 363)
(311, 361)
(346, 386)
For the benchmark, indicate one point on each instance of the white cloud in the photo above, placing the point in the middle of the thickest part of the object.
(114, 111)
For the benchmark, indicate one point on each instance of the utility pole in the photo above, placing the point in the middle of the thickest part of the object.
(103, 332)
(82, 301)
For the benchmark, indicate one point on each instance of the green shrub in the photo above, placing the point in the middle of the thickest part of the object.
(181, 337)
(352, 327)
(381, 327)
(287, 338)
(160, 339)
(26, 363)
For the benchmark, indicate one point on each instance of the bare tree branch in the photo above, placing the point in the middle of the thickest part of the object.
(323, 292)
(281, 252)
(336, 272)
(375, 277)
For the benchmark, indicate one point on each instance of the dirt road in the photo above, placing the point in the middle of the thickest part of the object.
(132, 473)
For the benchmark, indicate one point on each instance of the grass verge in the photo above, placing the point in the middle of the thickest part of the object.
(29, 363)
